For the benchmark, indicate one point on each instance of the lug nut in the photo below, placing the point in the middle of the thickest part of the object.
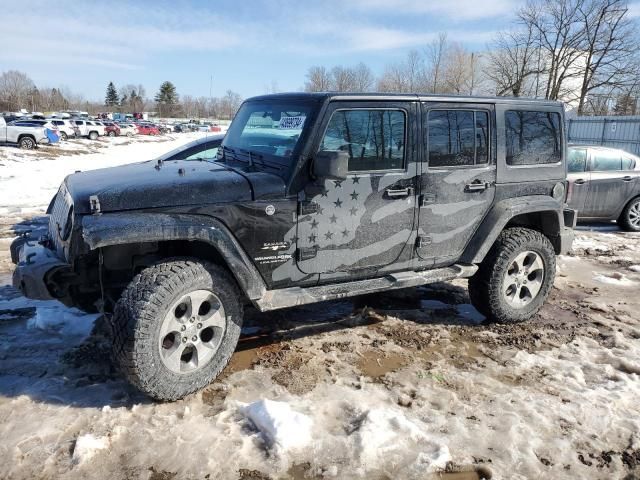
(183, 328)
(192, 319)
(194, 338)
(199, 325)
(184, 339)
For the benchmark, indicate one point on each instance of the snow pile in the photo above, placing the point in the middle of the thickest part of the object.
(279, 424)
(635, 268)
(87, 446)
(615, 278)
(387, 436)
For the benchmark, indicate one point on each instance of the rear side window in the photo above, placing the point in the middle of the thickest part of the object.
(577, 161)
(374, 139)
(533, 138)
(457, 138)
(606, 160)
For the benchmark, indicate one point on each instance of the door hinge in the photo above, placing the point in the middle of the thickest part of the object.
(427, 199)
(423, 241)
(305, 253)
(306, 207)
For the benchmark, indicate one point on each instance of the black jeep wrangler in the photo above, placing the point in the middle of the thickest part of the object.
(311, 197)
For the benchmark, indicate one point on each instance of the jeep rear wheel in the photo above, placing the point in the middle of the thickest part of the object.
(516, 276)
(176, 327)
(630, 217)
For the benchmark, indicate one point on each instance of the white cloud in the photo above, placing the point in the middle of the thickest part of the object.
(108, 35)
(452, 11)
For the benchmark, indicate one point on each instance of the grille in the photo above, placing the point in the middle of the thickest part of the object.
(61, 214)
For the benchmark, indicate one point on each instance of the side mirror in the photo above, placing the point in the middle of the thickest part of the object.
(331, 164)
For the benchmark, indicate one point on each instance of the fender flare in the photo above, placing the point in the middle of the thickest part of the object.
(498, 218)
(125, 228)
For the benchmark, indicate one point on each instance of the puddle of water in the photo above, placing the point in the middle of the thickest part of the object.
(376, 364)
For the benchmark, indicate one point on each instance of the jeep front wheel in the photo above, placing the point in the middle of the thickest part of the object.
(176, 327)
(516, 276)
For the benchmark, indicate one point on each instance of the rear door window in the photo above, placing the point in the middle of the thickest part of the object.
(532, 137)
(606, 160)
(457, 138)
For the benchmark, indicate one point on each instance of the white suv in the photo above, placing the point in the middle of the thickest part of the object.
(89, 129)
(66, 128)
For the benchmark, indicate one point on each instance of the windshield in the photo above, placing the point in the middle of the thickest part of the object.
(264, 130)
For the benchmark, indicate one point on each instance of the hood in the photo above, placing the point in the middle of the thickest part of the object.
(150, 185)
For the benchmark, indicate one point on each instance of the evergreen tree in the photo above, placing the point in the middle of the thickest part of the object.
(111, 99)
(167, 99)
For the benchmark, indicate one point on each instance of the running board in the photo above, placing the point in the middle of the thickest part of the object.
(290, 297)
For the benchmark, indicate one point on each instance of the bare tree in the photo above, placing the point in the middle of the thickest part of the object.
(610, 47)
(343, 79)
(557, 27)
(436, 53)
(15, 87)
(318, 80)
(406, 76)
(363, 78)
(514, 59)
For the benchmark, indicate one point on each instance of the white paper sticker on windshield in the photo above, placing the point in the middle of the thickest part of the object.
(291, 122)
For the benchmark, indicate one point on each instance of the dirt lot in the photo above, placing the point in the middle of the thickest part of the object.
(410, 384)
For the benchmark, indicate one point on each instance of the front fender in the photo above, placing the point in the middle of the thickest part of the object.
(500, 215)
(126, 228)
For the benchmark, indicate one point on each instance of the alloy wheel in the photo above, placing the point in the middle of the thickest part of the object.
(523, 279)
(192, 331)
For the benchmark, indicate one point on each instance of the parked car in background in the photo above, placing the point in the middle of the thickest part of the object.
(101, 128)
(66, 127)
(178, 128)
(54, 133)
(27, 136)
(112, 129)
(205, 148)
(88, 129)
(147, 129)
(604, 185)
(164, 128)
(128, 129)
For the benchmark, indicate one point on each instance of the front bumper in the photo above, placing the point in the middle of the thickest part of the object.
(33, 264)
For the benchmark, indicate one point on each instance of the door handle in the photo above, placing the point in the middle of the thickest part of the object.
(399, 192)
(476, 186)
(579, 181)
(627, 178)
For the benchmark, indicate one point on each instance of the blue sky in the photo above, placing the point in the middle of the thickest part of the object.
(247, 45)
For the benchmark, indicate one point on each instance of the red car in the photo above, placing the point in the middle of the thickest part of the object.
(148, 129)
(111, 129)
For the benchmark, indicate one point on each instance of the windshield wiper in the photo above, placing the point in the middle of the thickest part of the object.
(253, 155)
(226, 150)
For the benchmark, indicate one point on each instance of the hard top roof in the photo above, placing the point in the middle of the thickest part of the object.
(325, 96)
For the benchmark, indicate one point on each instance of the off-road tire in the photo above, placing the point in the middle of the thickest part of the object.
(138, 316)
(64, 136)
(27, 143)
(93, 135)
(112, 134)
(625, 222)
(486, 289)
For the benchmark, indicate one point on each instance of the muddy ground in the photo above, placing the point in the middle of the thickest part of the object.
(550, 398)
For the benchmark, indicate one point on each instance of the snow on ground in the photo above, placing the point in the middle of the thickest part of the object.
(398, 385)
(43, 170)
